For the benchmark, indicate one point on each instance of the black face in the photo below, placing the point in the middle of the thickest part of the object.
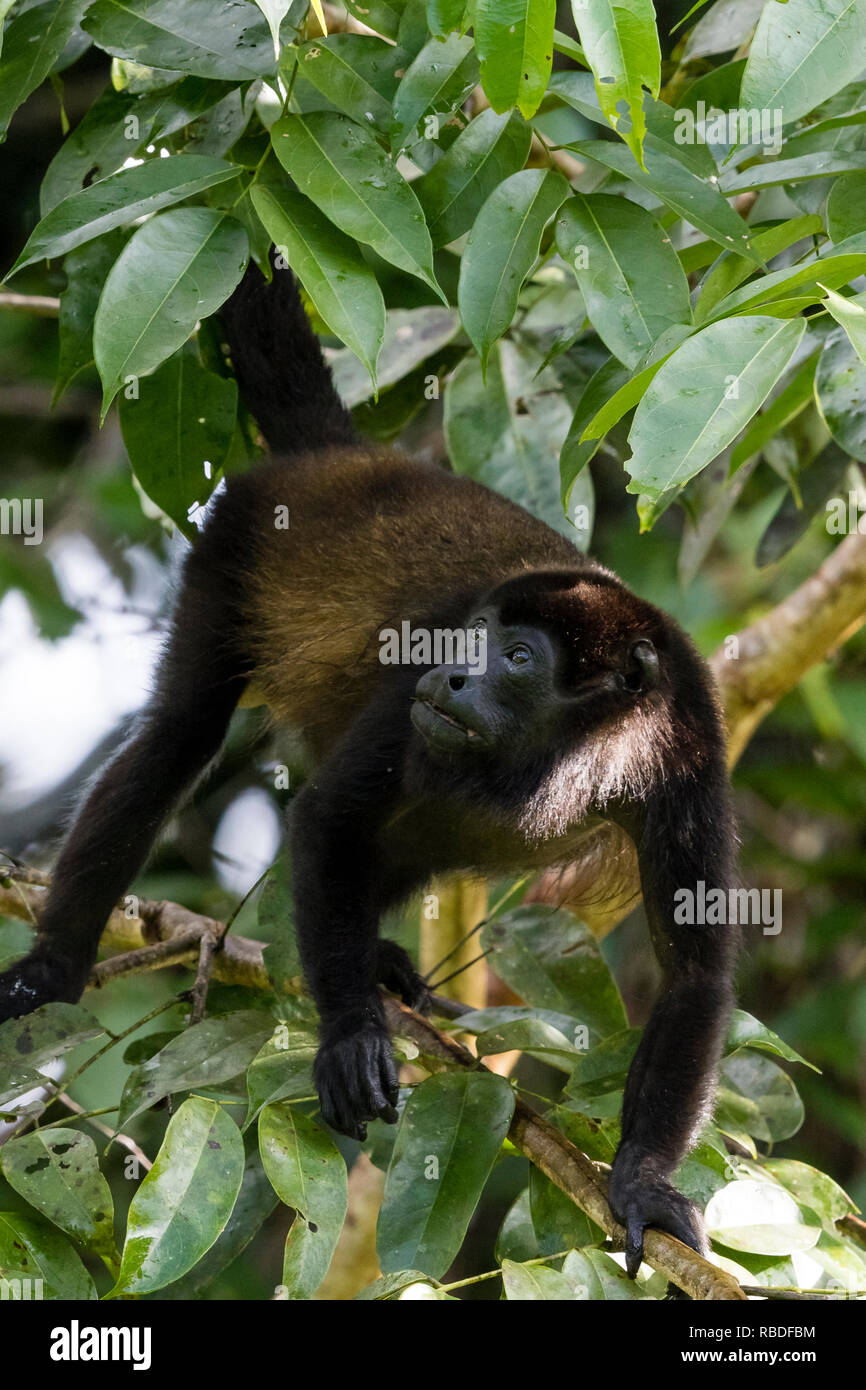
(515, 703)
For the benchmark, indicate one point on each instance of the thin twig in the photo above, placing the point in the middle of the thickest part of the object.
(459, 971)
(44, 306)
(208, 947)
(144, 958)
(123, 1139)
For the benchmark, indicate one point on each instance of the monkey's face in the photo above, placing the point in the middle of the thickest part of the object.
(511, 699)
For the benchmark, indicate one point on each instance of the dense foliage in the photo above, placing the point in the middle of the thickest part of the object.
(578, 256)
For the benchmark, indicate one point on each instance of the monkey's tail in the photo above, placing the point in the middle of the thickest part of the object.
(281, 373)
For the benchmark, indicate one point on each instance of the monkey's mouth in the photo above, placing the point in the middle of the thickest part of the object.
(428, 718)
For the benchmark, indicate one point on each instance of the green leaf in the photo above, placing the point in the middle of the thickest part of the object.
(345, 173)
(759, 1217)
(175, 270)
(500, 1015)
(730, 270)
(602, 1071)
(86, 270)
(534, 1283)
(516, 1239)
(488, 440)
(840, 390)
(774, 172)
(57, 1172)
(32, 43)
(576, 451)
(33, 1250)
(756, 1096)
(204, 1055)
(803, 52)
(383, 16)
(621, 45)
(436, 83)
(514, 39)
(553, 961)
(120, 199)
(275, 919)
(283, 1070)
(450, 1135)
(255, 1203)
(445, 15)
(29, 1044)
(696, 200)
(308, 1173)
(230, 41)
(846, 206)
(411, 336)
(815, 487)
(626, 396)
(746, 1031)
(812, 1189)
(593, 1275)
(851, 313)
(177, 432)
(184, 1202)
(116, 127)
(344, 290)
(701, 398)
(530, 1035)
(630, 277)
(557, 1222)
(501, 250)
(356, 73)
(780, 412)
(489, 150)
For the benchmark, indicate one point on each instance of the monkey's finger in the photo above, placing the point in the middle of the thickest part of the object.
(634, 1229)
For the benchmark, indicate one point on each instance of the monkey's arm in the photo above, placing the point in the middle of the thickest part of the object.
(199, 682)
(341, 888)
(686, 836)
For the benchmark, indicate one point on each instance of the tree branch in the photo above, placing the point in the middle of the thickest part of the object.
(44, 306)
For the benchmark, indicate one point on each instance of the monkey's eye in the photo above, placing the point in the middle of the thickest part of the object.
(518, 656)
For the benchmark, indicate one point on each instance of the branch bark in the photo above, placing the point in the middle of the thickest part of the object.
(241, 962)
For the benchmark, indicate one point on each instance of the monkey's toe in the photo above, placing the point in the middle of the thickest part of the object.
(640, 1200)
(356, 1079)
(394, 970)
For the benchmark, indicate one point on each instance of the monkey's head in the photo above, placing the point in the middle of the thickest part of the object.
(556, 654)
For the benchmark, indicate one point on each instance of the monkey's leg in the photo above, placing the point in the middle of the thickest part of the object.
(341, 889)
(687, 838)
(180, 730)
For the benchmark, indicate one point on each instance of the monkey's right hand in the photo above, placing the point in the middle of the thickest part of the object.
(354, 1071)
(42, 977)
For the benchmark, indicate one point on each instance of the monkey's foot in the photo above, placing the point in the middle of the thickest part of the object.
(640, 1198)
(39, 978)
(354, 1072)
(394, 970)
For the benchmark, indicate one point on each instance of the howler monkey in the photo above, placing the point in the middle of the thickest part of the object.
(594, 706)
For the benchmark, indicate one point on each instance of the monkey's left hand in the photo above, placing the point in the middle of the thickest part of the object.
(354, 1071)
(640, 1196)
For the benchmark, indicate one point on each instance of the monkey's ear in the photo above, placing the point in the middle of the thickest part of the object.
(642, 670)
